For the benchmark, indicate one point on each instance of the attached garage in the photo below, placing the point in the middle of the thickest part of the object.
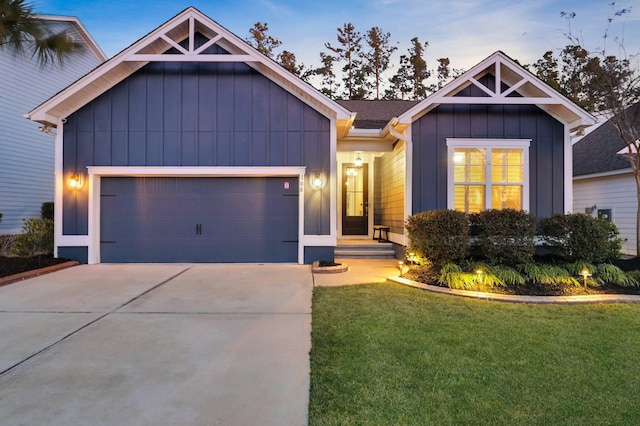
(191, 146)
(199, 219)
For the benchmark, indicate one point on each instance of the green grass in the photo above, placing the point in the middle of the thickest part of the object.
(384, 354)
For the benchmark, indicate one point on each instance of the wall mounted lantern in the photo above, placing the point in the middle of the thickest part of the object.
(316, 181)
(75, 181)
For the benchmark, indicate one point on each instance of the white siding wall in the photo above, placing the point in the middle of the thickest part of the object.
(615, 192)
(26, 154)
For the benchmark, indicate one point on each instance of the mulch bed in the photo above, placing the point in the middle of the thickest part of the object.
(16, 265)
(426, 276)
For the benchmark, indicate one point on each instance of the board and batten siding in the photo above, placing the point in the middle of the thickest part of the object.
(27, 159)
(493, 122)
(611, 192)
(389, 190)
(197, 114)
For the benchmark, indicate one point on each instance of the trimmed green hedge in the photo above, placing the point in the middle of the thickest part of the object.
(579, 237)
(441, 236)
(505, 236)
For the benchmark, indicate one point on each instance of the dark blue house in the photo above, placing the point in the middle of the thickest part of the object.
(191, 146)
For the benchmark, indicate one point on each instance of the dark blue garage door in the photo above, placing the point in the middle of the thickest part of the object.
(225, 219)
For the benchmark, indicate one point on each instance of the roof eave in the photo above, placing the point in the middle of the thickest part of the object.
(118, 68)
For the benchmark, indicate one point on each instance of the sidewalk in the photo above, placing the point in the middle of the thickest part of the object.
(361, 271)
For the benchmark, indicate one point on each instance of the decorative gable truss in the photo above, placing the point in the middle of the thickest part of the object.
(174, 35)
(510, 84)
(176, 41)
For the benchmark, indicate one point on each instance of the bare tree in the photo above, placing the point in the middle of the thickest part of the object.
(614, 84)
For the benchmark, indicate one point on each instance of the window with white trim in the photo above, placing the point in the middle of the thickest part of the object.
(488, 174)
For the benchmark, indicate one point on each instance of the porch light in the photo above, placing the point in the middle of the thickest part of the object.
(75, 181)
(316, 182)
(358, 161)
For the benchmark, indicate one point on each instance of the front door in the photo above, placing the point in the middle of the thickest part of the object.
(355, 205)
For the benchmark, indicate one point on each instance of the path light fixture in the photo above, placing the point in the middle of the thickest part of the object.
(585, 273)
(401, 268)
(480, 274)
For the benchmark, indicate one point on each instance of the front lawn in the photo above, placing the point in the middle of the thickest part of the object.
(386, 354)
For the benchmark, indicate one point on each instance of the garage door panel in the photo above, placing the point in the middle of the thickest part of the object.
(199, 220)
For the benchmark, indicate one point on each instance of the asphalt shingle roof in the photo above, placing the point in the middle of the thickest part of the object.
(376, 114)
(598, 151)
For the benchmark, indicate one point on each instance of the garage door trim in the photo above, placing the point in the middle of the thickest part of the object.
(97, 172)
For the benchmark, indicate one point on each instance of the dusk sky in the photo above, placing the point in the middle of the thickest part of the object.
(466, 31)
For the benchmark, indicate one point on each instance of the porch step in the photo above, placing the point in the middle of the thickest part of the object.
(364, 250)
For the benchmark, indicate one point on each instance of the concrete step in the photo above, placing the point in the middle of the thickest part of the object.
(366, 250)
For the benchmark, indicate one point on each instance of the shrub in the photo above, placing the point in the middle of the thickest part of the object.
(452, 276)
(505, 236)
(441, 236)
(46, 211)
(547, 274)
(581, 237)
(611, 274)
(6, 244)
(36, 238)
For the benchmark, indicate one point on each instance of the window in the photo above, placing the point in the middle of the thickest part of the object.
(488, 174)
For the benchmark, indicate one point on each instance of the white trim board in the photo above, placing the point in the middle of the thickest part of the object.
(453, 143)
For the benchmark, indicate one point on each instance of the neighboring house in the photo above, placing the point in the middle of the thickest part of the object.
(27, 154)
(191, 146)
(603, 183)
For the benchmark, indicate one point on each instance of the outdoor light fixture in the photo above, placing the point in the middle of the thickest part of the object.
(585, 273)
(401, 268)
(316, 182)
(358, 161)
(480, 274)
(75, 181)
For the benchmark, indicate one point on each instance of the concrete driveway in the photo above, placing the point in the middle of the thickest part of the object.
(157, 344)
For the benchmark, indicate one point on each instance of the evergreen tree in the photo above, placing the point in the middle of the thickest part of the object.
(444, 72)
(378, 56)
(410, 79)
(261, 41)
(400, 87)
(288, 61)
(349, 50)
(325, 71)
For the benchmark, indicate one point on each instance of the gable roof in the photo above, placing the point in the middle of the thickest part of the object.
(375, 114)
(154, 47)
(87, 39)
(522, 88)
(601, 151)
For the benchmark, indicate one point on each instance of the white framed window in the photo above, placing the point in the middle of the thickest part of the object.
(487, 174)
